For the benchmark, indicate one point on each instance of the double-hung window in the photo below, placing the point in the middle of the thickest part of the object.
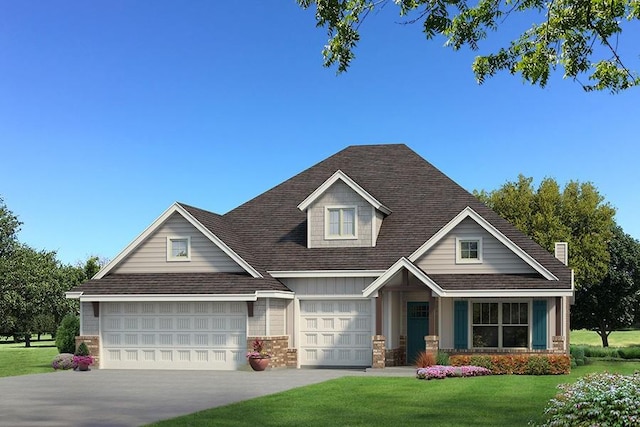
(500, 325)
(341, 223)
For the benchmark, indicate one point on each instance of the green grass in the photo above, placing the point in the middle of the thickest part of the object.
(15, 359)
(616, 339)
(509, 400)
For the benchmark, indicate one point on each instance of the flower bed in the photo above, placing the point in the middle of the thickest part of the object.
(523, 364)
(441, 372)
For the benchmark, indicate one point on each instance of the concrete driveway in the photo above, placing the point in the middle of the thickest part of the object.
(132, 398)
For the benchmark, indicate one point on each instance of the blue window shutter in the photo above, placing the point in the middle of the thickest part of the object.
(539, 325)
(461, 324)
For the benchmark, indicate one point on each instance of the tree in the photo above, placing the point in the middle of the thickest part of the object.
(611, 303)
(580, 36)
(9, 227)
(577, 215)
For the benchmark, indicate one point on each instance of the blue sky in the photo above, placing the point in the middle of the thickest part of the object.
(112, 110)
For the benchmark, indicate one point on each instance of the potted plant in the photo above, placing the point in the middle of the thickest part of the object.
(82, 359)
(258, 358)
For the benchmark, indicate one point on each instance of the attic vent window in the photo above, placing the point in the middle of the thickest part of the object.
(341, 222)
(469, 250)
(178, 248)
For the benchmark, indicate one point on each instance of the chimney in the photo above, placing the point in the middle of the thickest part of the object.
(562, 252)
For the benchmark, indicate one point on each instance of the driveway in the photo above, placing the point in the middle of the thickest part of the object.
(132, 398)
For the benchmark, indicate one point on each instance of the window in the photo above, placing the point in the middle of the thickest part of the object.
(178, 248)
(341, 223)
(504, 325)
(469, 250)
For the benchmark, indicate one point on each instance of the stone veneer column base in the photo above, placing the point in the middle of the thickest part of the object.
(93, 344)
(277, 347)
(379, 352)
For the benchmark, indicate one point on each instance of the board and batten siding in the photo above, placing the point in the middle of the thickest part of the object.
(277, 316)
(258, 322)
(340, 194)
(269, 312)
(328, 286)
(496, 257)
(90, 323)
(151, 255)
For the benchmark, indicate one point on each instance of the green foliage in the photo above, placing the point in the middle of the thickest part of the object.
(9, 227)
(518, 364)
(591, 351)
(578, 354)
(66, 334)
(82, 350)
(629, 352)
(442, 358)
(597, 399)
(581, 37)
(538, 365)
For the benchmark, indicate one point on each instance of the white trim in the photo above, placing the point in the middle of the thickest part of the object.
(372, 289)
(339, 175)
(170, 257)
(275, 294)
(291, 274)
(168, 297)
(470, 213)
(176, 207)
(267, 316)
(327, 222)
(72, 295)
(508, 293)
(331, 297)
(459, 259)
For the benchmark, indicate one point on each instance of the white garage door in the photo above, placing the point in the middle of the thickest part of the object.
(173, 335)
(335, 333)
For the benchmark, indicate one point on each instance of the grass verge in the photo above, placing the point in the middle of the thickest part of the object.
(506, 400)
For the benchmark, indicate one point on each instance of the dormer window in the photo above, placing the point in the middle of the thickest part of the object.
(341, 222)
(178, 248)
(469, 250)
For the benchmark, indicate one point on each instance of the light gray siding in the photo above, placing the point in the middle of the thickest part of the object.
(379, 216)
(277, 309)
(258, 323)
(151, 255)
(89, 323)
(496, 258)
(328, 286)
(340, 194)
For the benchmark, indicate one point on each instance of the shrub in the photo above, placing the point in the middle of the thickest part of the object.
(442, 358)
(441, 372)
(519, 364)
(63, 361)
(82, 350)
(630, 352)
(596, 399)
(66, 334)
(425, 359)
(578, 353)
(592, 351)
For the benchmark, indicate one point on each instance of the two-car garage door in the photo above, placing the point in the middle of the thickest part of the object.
(173, 335)
(335, 333)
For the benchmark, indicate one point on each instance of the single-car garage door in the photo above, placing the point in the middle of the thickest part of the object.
(335, 333)
(173, 335)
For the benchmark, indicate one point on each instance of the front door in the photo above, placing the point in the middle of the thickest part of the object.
(417, 328)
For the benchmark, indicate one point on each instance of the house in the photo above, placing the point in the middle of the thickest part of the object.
(364, 259)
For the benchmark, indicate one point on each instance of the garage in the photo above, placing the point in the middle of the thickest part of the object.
(335, 333)
(173, 335)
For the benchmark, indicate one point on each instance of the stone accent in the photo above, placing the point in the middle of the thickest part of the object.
(292, 358)
(93, 344)
(379, 352)
(558, 344)
(432, 344)
(276, 346)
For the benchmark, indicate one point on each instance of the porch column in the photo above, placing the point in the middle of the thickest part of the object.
(432, 344)
(379, 352)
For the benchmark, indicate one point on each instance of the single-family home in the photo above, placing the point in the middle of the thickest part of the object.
(365, 259)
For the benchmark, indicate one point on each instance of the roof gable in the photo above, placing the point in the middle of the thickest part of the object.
(176, 208)
(341, 176)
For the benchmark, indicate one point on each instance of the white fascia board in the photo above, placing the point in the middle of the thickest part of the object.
(330, 297)
(275, 294)
(291, 274)
(508, 293)
(376, 285)
(72, 295)
(157, 223)
(168, 297)
(470, 213)
(339, 175)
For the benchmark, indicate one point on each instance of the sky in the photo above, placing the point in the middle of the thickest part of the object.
(110, 111)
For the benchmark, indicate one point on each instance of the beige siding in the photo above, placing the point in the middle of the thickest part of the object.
(340, 194)
(379, 216)
(328, 286)
(496, 258)
(89, 323)
(258, 323)
(446, 328)
(277, 308)
(151, 255)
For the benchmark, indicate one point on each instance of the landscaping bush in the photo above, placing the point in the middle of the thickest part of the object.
(441, 372)
(629, 352)
(600, 399)
(591, 351)
(517, 364)
(578, 354)
(66, 334)
(63, 361)
(442, 358)
(82, 350)
(425, 359)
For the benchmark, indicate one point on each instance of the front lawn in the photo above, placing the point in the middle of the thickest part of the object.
(15, 359)
(616, 339)
(506, 400)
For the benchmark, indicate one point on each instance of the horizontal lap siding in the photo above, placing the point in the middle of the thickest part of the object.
(151, 255)
(496, 258)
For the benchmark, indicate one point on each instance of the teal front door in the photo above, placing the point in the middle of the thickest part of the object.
(417, 328)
